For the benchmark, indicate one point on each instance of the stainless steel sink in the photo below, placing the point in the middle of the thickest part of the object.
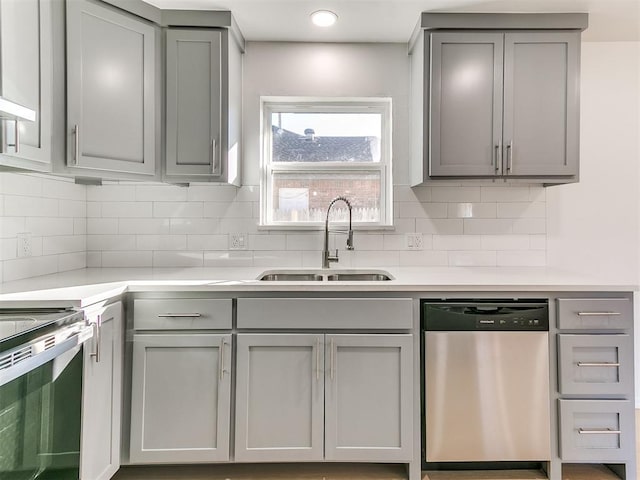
(358, 277)
(320, 275)
(291, 277)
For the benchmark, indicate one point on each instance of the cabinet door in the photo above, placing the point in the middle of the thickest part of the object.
(180, 398)
(110, 89)
(102, 396)
(541, 103)
(466, 104)
(279, 398)
(193, 102)
(26, 78)
(368, 406)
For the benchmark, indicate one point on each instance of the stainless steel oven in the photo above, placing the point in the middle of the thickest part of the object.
(41, 393)
(486, 381)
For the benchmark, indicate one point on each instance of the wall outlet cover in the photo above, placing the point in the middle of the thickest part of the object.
(415, 241)
(24, 245)
(237, 241)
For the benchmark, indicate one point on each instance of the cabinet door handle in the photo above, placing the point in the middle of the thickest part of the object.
(509, 157)
(179, 315)
(17, 137)
(76, 149)
(333, 359)
(317, 358)
(598, 314)
(598, 364)
(598, 431)
(97, 326)
(497, 158)
(215, 163)
(222, 353)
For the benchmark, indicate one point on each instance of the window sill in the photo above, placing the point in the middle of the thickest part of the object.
(318, 228)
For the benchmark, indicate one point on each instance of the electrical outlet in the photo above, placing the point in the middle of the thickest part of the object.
(237, 241)
(24, 245)
(415, 241)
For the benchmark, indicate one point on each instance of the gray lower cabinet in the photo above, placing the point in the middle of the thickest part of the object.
(112, 103)
(309, 397)
(180, 398)
(26, 78)
(203, 77)
(102, 395)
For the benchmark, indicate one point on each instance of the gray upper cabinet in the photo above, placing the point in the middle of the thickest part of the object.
(496, 95)
(203, 78)
(111, 92)
(466, 103)
(26, 78)
(541, 104)
(102, 396)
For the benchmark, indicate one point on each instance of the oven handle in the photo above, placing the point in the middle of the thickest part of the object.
(14, 365)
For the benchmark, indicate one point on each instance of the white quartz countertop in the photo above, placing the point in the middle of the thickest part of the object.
(87, 286)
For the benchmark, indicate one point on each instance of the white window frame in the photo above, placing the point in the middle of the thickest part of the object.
(382, 105)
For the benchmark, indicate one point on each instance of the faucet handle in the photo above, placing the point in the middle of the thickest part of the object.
(350, 240)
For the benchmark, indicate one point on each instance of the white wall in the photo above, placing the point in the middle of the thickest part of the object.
(592, 226)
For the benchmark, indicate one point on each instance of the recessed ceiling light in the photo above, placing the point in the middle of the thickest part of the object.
(324, 18)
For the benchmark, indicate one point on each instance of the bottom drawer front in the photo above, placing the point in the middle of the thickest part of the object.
(596, 430)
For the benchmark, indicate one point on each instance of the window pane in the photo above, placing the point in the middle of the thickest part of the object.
(326, 137)
(304, 197)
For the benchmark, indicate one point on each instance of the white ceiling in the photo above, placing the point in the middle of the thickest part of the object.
(394, 20)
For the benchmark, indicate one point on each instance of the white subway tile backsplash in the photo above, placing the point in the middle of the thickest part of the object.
(149, 226)
(94, 209)
(103, 226)
(487, 226)
(228, 210)
(201, 226)
(11, 226)
(161, 242)
(361, 241)
(126, 259)
(505, 194)
(164, 193)
(177, 259)
(111, 193)
(522, 210)
(404, 225)
(457, 194)
(207, 242)
(505, 242)
(267, 242)
(72, 208)
(126, 209)
(247, 193)
(472, 259)
(49, 226)
(439, 226)
(63, 189)
(28, 267)
(527, 258)
(424, 258)
(8, 248)
(472, 210)
(177, 209)
(421, 210)
(22, 206)
(21, 184)
(530, 226)
(232, 258)
(64, 244)
(537, 193)
(211, 193)
(373, 258)
(395, 242)
(537, 242)
(304, 241)
(457, 242)
(72, 261)
(277, 258)
(237, 225)
(111, 242)
(94, 259)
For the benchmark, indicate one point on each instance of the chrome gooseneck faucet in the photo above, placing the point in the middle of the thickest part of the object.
(327, 258)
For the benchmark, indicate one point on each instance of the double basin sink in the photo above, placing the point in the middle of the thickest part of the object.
(320, 275)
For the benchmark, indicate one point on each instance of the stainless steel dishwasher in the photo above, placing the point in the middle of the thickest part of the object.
(486, 381)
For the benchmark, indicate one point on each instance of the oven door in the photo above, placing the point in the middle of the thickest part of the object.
(40, 410)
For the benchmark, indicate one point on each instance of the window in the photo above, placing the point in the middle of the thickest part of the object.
(315, 150)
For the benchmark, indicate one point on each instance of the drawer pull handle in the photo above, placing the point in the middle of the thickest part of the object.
(598, 431)
(598, 364)
(598, 314)
(179, 315)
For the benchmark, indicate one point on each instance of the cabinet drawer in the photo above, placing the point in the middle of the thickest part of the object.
(595, 364)
(594, 313)
(325, 313)
(596, 430)
(181, 313)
